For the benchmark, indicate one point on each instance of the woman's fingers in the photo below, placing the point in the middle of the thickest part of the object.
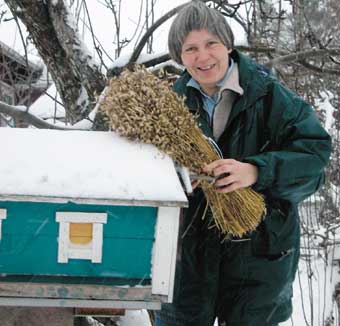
(224, 180)
(232, 174)
(219, 166)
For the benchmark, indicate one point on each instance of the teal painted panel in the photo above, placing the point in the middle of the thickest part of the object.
(29, 244)
(122, 258)
(123, 221)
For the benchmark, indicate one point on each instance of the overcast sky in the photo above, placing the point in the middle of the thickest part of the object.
(103, 25)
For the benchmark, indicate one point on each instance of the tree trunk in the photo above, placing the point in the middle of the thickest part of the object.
(77, 78)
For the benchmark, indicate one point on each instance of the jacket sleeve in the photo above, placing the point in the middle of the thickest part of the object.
(292, 163)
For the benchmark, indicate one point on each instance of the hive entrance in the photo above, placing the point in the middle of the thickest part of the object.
(81, 233)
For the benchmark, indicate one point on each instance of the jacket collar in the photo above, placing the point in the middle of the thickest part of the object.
(251, 77)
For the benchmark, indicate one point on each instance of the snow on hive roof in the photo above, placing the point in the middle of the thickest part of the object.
(85, 167)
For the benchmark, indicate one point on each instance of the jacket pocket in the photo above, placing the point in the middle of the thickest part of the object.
(278, 234)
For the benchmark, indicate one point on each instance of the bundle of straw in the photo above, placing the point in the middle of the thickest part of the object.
(143, 108)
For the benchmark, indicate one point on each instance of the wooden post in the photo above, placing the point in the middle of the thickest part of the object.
(12, 316)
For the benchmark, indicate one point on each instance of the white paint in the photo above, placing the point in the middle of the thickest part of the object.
(165, 251)
(76, 217)
(3, 214)
(92, 250)
(63, 242)
(185, 176)
(97, 246)
(85, 165)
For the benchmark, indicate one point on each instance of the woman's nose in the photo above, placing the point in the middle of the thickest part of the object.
(203, 55)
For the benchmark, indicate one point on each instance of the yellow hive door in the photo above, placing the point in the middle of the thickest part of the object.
(81, 233)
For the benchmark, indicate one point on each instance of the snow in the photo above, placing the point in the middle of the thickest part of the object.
(123, 60)
(47, 106)
(168, 63)
(325, 105)
(134, 318)
(84, 164)
(83, 98)
(313, 292)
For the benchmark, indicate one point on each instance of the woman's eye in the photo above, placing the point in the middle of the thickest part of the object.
(212, 43)
(191, 49)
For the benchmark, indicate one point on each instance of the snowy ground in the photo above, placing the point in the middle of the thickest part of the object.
(314, 287)
(134, 318)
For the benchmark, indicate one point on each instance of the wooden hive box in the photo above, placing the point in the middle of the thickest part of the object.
(87, 219)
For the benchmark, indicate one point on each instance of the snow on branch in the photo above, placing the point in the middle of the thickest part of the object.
(75, 48)
(18, 113)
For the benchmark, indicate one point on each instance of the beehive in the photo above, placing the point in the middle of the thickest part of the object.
(87, 219)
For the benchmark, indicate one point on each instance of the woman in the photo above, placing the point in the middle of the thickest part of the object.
(270, 140)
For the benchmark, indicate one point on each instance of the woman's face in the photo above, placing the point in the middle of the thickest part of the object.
(206, 58)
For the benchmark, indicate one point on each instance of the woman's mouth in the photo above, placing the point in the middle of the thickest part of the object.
(206, 68)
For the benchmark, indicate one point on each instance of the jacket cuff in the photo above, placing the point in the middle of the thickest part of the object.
(265, 178)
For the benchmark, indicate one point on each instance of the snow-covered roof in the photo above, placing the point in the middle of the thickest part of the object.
(14, 55)
(85, 167)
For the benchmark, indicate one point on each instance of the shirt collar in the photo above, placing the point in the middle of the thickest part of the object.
(233, 82)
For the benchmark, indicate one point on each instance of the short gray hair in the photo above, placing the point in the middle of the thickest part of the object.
(197, 16)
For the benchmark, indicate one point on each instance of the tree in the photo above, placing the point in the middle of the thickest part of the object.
(277, 36)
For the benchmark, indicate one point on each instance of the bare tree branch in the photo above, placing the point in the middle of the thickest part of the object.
(298, 56)
(156, 61)
(31, 119)
(99, 49)
(320, 70)
(150, 31)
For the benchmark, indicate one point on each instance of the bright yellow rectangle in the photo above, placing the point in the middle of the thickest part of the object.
(81, 233)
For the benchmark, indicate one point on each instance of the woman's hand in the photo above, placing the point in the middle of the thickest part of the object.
(231, 174)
